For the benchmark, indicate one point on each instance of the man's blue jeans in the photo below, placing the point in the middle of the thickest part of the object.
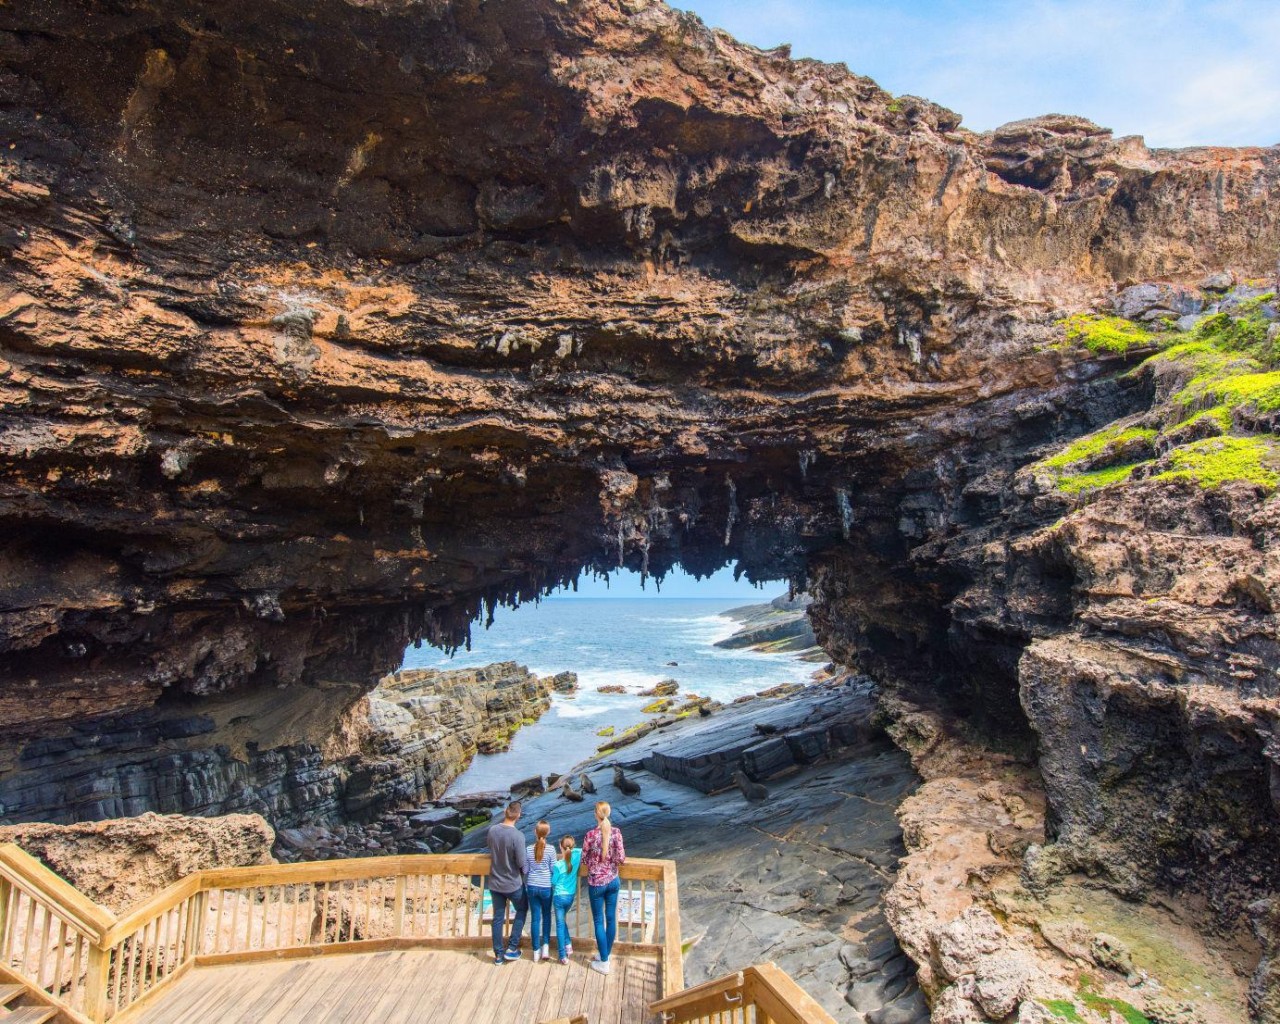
(520, 902)
(562, 902)
(604, 913)
(539, 915)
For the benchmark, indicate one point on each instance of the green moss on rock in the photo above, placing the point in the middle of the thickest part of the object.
(1097, 478)
(1219, 460)
(1109, 334)
(1063, 1009)
(1098, 445)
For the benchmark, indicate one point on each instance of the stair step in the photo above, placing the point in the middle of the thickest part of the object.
(8, 993)
(28, 1015)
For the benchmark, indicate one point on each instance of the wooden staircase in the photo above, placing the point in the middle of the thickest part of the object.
(17, 1006)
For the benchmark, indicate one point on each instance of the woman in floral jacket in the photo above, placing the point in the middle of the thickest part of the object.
(603, 853)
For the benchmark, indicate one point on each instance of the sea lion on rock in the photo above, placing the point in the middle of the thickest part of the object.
(624, 784)
(753, 791)
(766, 729)
(584, 780)
(569, 793)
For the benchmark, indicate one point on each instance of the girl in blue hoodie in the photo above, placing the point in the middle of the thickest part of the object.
(564, 890)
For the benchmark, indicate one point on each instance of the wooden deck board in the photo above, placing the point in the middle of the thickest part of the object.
(408, 986)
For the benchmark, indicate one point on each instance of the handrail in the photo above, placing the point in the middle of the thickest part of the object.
(34, 876)
(770, 990)
(50, 935)
(119, 963)
(729, 983)
(165, 899)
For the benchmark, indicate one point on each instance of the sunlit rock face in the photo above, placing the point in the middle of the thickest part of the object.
(323, 326)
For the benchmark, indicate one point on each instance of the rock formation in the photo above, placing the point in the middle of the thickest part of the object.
(326, 330)
(419, 730)
(120, 863)
(780, 625)
(400, 745)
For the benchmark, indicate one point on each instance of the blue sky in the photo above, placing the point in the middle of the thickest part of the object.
(1179, 72)
(721, 585)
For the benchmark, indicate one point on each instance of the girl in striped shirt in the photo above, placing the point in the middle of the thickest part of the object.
(538, 885)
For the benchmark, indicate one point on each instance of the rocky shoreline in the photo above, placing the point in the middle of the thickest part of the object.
(779, 626)
(344, 794)
(405, 743)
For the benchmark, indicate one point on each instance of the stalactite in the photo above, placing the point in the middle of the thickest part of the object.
(845, 508)
(733, 508)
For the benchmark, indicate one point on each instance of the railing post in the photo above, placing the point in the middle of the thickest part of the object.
(672, 946)
(6, 894)
(195, 923)
(397, 911)
(95, 983)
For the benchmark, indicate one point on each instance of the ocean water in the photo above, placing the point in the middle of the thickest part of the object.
(611, 641)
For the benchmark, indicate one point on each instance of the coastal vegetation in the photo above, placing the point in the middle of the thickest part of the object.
(1100, 333)
(1218, 388)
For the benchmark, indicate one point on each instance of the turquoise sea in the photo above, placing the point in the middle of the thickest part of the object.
(628, 642)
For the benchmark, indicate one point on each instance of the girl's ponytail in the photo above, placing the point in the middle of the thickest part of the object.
(541, 830)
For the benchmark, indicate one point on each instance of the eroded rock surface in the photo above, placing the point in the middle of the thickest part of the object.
(780, 625)
(420, 728)
(120, 863)
(290, 381)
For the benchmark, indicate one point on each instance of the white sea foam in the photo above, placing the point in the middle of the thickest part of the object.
(632, 678)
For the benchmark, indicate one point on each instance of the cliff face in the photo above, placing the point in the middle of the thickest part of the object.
(395, 748)
(324, 326)
(289, 288)
(419, 730)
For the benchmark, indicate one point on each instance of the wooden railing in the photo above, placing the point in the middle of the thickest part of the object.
(95, 966)
(763, 994)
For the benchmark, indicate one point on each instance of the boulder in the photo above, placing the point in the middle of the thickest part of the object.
(121, 862)
(1156, 301)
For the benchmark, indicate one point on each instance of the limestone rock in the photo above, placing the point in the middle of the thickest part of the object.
(120, 863)
(964, 942)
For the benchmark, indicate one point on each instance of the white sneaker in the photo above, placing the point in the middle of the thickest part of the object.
(537, 955)
(568, 950)
(600, 966)
(546, 952)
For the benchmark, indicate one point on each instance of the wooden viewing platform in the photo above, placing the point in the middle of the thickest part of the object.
(379, 939)
(410, 986)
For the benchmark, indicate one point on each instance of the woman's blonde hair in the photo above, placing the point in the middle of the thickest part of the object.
(566, 848)
(603, 810)
(541, 830)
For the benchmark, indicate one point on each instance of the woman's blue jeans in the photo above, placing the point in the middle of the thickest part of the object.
(604, 913)
(562, 902)
(539, 915)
